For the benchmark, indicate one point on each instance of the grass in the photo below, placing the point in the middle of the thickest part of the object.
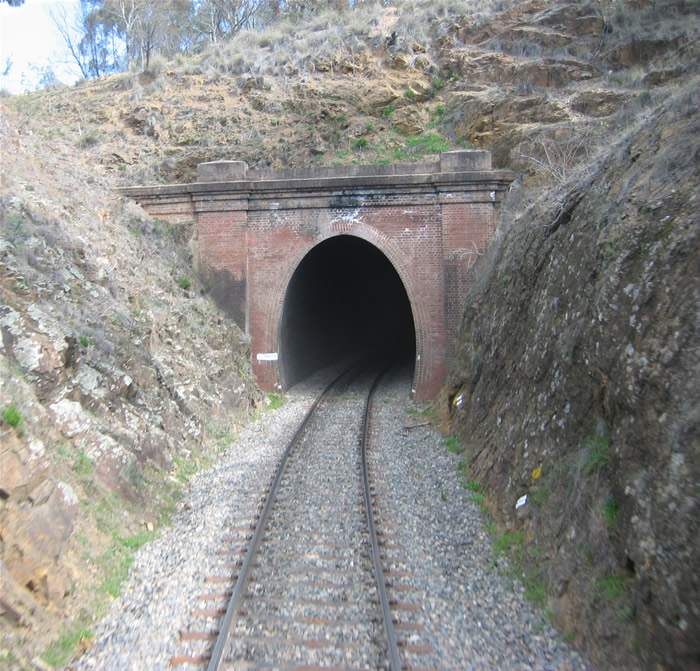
(184, 283)
(611, 513)
(452, 444)
(508, 541)
(539, 495)
(117, 559)
(611, 586)
(86, 341)
(83, 466)
(472, 485)
(186, 467)
(276, 400)
(108, 511)
(598, 445)
(535, 590)
(61, 650)
(477, 494)
(12, 416)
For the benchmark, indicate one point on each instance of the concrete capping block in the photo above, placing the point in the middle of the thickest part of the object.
(222, 171)
(465, 160)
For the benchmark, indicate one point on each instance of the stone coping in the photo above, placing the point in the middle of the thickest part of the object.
(458, 167)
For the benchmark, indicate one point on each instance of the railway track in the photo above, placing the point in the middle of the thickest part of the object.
(303, 582)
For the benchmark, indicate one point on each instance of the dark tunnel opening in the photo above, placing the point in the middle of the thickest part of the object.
(345, 300)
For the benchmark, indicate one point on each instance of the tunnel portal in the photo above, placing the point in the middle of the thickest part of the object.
(345, 300)
(321, 264)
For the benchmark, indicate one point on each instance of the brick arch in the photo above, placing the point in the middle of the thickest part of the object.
(396, 256)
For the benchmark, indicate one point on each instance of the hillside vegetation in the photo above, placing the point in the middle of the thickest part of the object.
(575, 382)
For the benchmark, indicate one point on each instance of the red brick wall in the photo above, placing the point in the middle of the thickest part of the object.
(410, 238)
(223, 254)
(467, 225)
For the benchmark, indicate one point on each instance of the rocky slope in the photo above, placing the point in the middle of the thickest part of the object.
(576, 399)
(119, 377)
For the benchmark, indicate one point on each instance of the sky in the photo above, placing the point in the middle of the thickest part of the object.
(30, 38)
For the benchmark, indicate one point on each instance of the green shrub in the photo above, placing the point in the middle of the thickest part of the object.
(184, 283)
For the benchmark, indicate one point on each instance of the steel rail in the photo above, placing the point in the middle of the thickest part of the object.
(394, 659)
(242, 579)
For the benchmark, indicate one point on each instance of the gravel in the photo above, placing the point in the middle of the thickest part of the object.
(467, 615)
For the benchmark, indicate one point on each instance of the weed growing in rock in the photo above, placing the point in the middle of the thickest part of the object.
(612, 586)
(599, 446)
(83, 466)
(611, 512)
(12, 416)
(184, 283)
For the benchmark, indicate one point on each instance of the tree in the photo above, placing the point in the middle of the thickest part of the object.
(14, 3)
(219, 19)
(92, 38)
(8, 66)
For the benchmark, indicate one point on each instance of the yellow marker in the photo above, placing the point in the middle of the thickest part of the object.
(537, 472)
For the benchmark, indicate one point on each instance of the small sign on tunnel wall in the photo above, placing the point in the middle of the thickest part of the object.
(266, 356)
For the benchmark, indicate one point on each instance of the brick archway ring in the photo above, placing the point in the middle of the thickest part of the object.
(274, 306)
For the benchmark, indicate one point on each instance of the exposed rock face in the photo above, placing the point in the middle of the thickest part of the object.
(580, 356)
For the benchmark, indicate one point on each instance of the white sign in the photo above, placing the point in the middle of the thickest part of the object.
(266, 356)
